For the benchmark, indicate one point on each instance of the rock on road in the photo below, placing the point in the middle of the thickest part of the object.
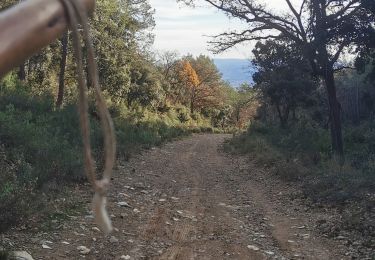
(190, 200)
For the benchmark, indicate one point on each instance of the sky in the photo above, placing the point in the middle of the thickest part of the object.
(187, 30)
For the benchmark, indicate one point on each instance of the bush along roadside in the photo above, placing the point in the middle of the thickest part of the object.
(301, 154)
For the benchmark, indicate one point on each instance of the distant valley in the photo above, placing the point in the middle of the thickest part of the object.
(235, 71)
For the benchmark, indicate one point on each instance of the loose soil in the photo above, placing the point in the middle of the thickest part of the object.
(187, 200)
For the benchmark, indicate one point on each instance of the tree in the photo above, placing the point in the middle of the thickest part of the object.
(322, 30)
(202, 81)
(64, 55)
(120, 32)
(188, 76)
(145, 84)
(208, 94)
(166, 62)
(283, 77)
(244, 105)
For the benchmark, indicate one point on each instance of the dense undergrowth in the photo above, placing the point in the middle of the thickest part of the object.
(40, 144)
(301, 154)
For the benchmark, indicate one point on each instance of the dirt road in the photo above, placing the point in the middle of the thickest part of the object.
(190, 200)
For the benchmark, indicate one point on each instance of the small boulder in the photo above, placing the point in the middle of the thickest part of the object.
(44, 246)
(21, 255)
(113, 239)
(254, 248)
(123, 204)
(83, 250)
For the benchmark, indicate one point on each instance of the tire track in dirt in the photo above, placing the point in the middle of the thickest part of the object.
(207, 182)
(190, 200)
(284, 229)
(183, 230)
(194, 236)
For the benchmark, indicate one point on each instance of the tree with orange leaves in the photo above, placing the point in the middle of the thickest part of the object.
(202, 82)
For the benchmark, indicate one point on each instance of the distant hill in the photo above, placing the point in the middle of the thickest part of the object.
(235, 71)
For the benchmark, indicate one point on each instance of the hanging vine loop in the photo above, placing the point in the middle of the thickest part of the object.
(76, 15)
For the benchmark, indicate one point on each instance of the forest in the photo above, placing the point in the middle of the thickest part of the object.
(308, 118)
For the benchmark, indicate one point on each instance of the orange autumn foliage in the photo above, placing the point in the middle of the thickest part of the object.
(201, 94)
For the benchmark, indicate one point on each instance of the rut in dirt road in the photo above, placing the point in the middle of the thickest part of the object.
(203, 228)
(191, 200)
(216, 208)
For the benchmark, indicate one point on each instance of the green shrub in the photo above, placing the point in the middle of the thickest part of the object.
(302, 152)
(337, 184)
(205, 129)
(40, 136)
(291, 171)
(183, 114)
(4, 255)
(16, 191)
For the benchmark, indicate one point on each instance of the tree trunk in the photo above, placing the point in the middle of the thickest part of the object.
(192, 107)
(192, 101)
(22, 72)
(335, 114)
(64, 54)
(238, 114)
(294, 114)
(327, 73)
(283, 116)
(357, 118)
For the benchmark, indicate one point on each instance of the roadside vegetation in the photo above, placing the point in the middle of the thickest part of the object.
(301, 154)
(291, 135)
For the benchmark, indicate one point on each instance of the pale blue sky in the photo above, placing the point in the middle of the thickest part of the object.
(183, 29)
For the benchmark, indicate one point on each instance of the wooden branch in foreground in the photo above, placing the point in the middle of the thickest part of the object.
(28, 27)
